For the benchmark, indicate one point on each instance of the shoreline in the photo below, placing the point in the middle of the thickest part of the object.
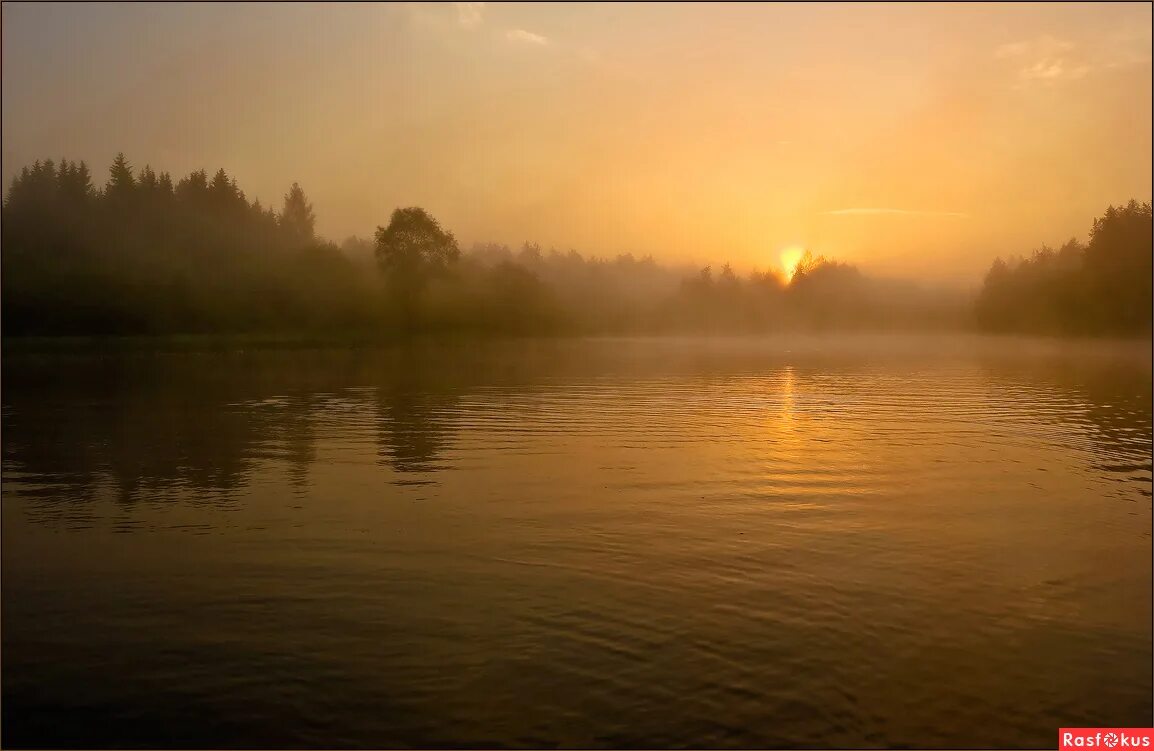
(269, 341)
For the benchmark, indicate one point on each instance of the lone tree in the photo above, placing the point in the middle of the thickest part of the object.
(412, 250)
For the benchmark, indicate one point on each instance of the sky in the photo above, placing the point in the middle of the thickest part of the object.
(911, 139)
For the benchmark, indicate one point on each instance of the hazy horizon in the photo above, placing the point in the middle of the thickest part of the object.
(917, 141)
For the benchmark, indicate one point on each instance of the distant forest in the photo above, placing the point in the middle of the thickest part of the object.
(146, 254)
(1098, 288)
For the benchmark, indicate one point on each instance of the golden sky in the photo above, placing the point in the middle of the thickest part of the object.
(911, 139)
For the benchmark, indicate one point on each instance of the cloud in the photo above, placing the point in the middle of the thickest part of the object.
(1040, 47)
(469, 14)
(1047, 70)
(526, 37)
(1044, 59)
(1126, 60)
(897, 212)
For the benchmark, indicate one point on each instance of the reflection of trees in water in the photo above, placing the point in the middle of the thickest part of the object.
(414, 429)
(1117, 406)
(298, 433)
(149, 424)
(141, 425)
(1108, 395)
(418, 391)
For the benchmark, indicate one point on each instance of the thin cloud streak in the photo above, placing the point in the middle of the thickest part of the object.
(895, 212)
(528, 37)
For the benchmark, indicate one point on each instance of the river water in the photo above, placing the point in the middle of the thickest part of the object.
(786, 542)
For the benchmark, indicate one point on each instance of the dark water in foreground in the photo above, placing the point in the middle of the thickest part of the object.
(864, 542)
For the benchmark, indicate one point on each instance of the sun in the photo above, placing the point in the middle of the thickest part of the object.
(790, 258)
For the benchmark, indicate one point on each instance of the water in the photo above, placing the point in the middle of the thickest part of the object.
(730, 543)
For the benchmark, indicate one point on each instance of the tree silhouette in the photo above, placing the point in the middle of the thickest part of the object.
(297, 217)
(411, 251)
(1100, 288)
(1118, 267)
(141, 255)
(192, 189)
(151, 257)
(120, 180)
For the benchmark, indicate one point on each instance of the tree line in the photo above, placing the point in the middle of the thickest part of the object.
(147, 254)
(1102, 287)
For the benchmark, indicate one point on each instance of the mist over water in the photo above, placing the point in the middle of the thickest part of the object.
(730, 542)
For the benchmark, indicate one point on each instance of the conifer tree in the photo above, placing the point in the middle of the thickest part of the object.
(297, 217)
